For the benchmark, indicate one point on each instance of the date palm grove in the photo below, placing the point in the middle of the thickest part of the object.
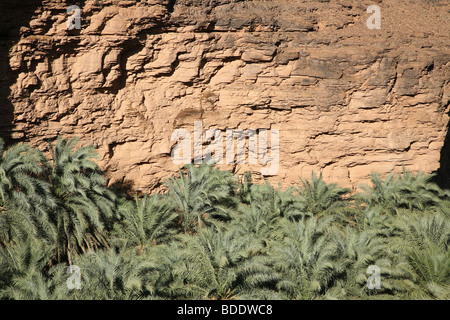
(212, 235)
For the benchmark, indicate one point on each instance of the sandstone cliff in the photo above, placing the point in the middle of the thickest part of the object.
(346, 99)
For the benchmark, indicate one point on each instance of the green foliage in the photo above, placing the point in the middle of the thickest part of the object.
(426, 248)
(305, 258)
(146, 222)
(223, 265)
(211, 236)
(26, 273)
(107, 275)
(84, 203)
(374, 242)
(267, 198)
(321, 198)
(24, 198)
(202, 195)
(404, 191)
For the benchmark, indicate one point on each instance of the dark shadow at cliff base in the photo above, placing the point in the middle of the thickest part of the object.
(442, 177)
(124, 188)
(14, 15)
(6, 107)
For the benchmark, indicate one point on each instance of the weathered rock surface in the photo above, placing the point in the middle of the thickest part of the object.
(347, 99)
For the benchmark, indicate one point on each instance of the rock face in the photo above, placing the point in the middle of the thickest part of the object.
(346, 99)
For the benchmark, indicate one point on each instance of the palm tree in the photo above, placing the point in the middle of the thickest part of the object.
(262, 209)
(444, 207)
(281, 203)
(305, 258)
(26, 266)
(85, 206)
(320, 198)
(108, 275)
(146, 222)
(168, 272)
(411, 250)
(404, 191)
(257, 220)
(25, 198)
(373, 245)
(225, 265)
(426, 245)
(202, 195)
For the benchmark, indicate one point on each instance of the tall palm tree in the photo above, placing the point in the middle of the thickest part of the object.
(85, 206)
(202, 195)
(25, 197)
(305, 258)
(108, 275)
(258, 220)
(321, 198)
(30, 275)
(225, 265)
(396, 193)
(169, 270)
(426, 245)
(146, 222)
(282, 203)
(360, 250)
